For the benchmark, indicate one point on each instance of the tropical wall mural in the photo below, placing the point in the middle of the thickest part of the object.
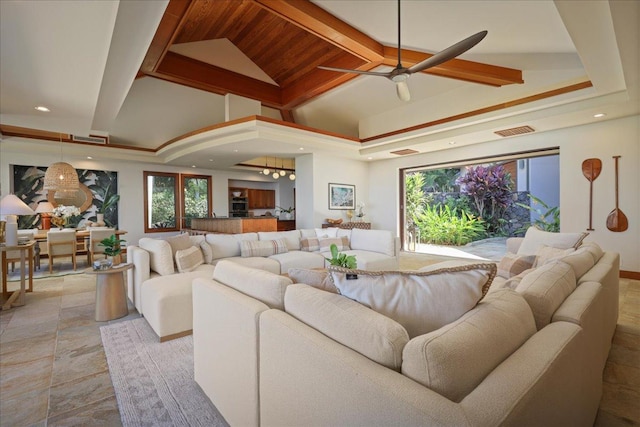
(98, 194)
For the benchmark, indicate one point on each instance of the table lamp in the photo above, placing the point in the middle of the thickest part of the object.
(10, 207)
(45, 209)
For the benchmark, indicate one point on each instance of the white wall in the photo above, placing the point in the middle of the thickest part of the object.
(600, 140)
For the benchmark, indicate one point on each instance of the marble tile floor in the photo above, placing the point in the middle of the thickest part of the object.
(53, 370)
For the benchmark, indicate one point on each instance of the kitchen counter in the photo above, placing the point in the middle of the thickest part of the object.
(234, 225)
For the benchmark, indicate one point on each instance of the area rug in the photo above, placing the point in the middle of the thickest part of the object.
(61, 267)
(153, 381)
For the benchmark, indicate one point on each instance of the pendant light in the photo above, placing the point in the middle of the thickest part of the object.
(61, 175)
(266, 170)
(292, 177)
(282, 172)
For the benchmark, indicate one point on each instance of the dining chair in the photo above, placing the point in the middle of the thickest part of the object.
(11, 257)
(61, 244)
(96, 235)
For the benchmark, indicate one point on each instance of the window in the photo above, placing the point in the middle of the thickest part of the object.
(171, 196)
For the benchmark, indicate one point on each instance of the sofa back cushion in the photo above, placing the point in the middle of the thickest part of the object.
(454, 359)
(535, 238)
(160, 255)
(227, 245)
(250, 248)
(259, 284)
(381, 241)
(580, 261)
(292, 237)
(546, 288)
(351, 324)
(420, 301)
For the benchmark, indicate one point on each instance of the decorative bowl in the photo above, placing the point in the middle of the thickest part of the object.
(102, 264)
(236, 193)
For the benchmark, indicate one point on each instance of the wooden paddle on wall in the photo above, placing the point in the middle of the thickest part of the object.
(617, 220)
(591, 169)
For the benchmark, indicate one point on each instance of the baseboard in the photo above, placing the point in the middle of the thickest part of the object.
(635, 275)
(177, 335)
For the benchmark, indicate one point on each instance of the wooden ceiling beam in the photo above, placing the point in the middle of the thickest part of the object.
(321, 23)
(460, 69)
(190, 72)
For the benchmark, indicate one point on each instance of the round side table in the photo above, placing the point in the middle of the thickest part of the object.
(111, 295)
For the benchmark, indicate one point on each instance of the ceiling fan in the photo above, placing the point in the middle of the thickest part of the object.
(400, 74)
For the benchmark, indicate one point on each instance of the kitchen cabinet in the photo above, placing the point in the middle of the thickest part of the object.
(261, 199)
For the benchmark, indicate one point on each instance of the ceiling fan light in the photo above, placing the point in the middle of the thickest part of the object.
(403, 90)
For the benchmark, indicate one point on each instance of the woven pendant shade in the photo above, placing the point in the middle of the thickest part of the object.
(61, 176)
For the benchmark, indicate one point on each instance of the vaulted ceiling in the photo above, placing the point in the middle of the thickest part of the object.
(152, 74)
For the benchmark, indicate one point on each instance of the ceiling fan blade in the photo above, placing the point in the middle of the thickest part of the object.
(345, 70)
(402, 88)
(449, 53)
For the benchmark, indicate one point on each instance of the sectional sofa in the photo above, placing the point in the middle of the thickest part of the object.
(159, 285)
(532, 352)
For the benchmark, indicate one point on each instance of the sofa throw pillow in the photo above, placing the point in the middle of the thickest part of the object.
(188, 259)
(421, 301)
(511, 264)
(319, 279)
(535, 238)
(546, 254)
(179, 243)
(160, 257)
(341, 242)
(513, 282)
(250, 248)
(207, 252)
(310, 244)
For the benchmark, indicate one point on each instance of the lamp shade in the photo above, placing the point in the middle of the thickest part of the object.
(12, 205)
(44, 207)
(61, 176)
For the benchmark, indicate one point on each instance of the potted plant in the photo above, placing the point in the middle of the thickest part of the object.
(106, 204)
(113, 248)
(339, 259)
(287, 212)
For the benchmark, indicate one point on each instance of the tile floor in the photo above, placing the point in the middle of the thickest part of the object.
(53, 369)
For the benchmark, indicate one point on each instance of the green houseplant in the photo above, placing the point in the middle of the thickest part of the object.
(341, 260)
(113, 248)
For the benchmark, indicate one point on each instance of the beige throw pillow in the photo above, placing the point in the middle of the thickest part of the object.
(511, 264)
(310, 244)
(420, 301)
(546, 254)
(535, 238)
(319, 279)
(342, 243)
(188, 259)
(249, 248)
(179, 243)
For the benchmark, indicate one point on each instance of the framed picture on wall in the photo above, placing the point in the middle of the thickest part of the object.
(342, 196)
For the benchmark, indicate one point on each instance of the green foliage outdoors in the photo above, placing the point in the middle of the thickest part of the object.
(196, 199)
(441, 180)
(549, 220)
(441, 225)
(414, 195)
(341, 260)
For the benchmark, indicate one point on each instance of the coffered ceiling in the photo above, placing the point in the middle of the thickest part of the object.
(151, 74)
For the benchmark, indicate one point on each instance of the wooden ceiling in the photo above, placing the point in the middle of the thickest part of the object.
(288, 40)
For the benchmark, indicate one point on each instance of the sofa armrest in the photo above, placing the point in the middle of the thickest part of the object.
(140, 272)
(513, 244)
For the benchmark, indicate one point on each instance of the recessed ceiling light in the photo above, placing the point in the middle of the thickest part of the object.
(301, 148)
(211, 160)
(599, 115)
(452, 143)
(193, 166)
(89, 157)
(42, 108)
(235, 151)
(369, 158)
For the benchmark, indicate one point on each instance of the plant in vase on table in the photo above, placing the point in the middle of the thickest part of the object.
(288, 213)
(113, 248)
(339, 259)
(63, 216)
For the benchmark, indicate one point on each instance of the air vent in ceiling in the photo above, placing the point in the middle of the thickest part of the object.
(91, 139)
(404, 152)
(515, 131)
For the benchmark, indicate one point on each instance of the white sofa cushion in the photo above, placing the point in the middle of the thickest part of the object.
(262, 247)
(546, 288)
(369, 333)
(207, 252)
(454, 359)
(292, 237)
(322, 233)
(298, 259)
(160, 255)
(259, 284)
(547, 254)
(581, 261)
(371, 261)
(188, 259)
(535, 238)
(419, 301)
(381, 241)
(260, 263)
(227, 245)
(594, 249)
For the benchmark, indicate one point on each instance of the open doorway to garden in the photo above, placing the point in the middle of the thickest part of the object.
(469, 209)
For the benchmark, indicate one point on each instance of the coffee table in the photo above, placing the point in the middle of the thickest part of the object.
(111, 295)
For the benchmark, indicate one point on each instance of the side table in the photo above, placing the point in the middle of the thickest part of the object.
(26, 252)
(111, 295)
